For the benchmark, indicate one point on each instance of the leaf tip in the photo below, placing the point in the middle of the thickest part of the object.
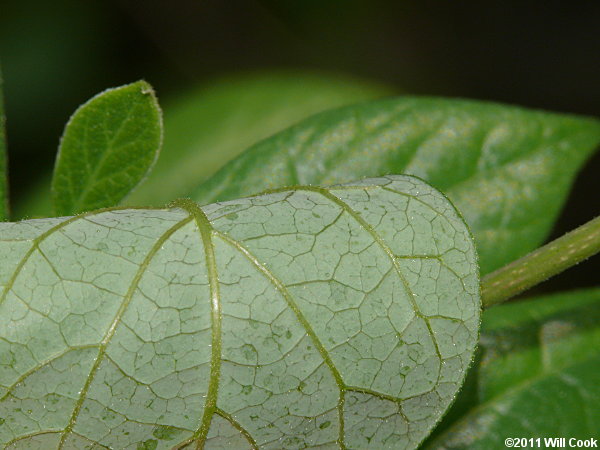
(144, 87)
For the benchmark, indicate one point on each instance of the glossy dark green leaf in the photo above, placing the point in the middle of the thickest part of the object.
(338, 317)
(507, 169)
(3, 166)
(108, 146)
(207, 127)
(537, 376)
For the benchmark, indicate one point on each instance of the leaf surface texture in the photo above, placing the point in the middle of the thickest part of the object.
(340, 317)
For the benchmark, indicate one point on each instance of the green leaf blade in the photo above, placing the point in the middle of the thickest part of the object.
(299, 317)
(539, 361)
(507, 169)
(109, 145)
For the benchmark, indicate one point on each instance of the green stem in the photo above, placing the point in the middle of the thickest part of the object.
(3, 165)
(541, 264)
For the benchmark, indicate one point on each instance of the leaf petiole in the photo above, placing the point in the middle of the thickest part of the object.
(541, 264)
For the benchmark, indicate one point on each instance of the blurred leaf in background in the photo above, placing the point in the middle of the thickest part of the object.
(537, 375)
(210, 126)
(507, 169)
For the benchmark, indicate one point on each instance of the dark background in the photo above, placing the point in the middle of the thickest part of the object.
(56, 54)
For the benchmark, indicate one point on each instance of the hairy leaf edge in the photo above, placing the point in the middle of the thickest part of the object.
(145, 89)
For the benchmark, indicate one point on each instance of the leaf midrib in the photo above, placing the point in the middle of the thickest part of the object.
(206, 231)
(109, 149)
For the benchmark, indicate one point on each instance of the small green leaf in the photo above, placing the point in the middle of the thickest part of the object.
(108, 146)
(211, 125)
(344, 317)
(4, 211)
(538, 375)
(507, 169)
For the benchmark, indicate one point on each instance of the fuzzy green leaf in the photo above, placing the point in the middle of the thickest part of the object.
(344, 317)
(538, 374)
(507, 169)
(108, 146)
(4, 211)
(208, 127)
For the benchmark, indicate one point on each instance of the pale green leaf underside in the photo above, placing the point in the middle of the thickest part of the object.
(108, 146)
(338, 317)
